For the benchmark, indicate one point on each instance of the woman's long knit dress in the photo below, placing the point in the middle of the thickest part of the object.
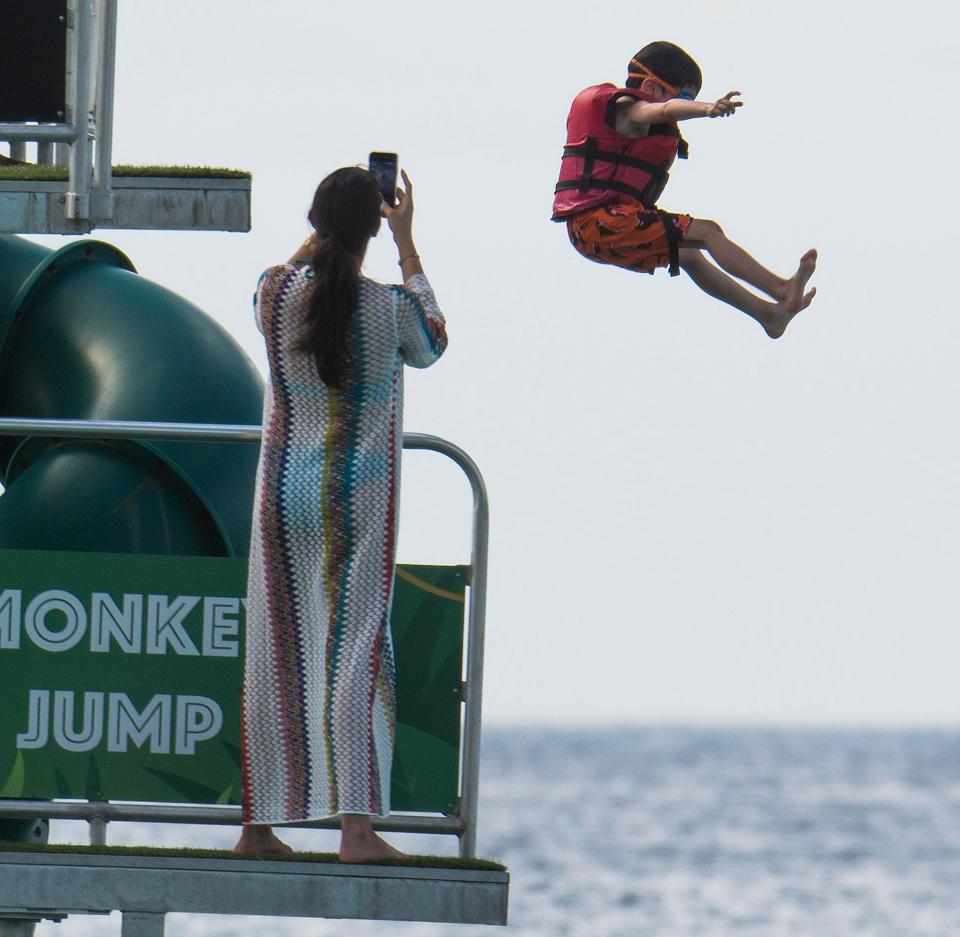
(318, 700)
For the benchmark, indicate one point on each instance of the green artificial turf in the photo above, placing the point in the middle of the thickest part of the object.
(34, 173)
(420, 862)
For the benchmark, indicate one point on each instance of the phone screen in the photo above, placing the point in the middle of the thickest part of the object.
(384, 167)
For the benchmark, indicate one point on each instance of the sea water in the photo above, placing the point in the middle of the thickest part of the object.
(677, 832)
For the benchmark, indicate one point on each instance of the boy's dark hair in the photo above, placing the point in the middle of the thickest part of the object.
(669, 63)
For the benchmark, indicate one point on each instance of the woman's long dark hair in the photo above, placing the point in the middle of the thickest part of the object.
(344, 214)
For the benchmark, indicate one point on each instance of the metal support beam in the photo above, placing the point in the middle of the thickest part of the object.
(135, 202)
(146, 888)
(11, 927)
(141, 924)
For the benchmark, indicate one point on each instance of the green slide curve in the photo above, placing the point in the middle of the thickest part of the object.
(84, 337)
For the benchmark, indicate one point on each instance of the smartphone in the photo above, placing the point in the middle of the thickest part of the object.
(384, 167)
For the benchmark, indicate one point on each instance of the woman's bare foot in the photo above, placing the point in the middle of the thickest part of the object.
(794, 297)
(259, 840)
(359, 843)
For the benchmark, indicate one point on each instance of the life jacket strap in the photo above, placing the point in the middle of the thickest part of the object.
(589, 154)
(674, 237)
(647, 196)
(612, 185)
(589, 151)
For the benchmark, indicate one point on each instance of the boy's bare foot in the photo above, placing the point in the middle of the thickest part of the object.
(257, 840)
(364, 845)
(794, 297)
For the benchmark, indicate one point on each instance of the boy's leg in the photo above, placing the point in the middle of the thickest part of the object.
(774, 317)
(737, 262)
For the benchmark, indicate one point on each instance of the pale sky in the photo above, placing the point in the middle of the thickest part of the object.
(689, 521)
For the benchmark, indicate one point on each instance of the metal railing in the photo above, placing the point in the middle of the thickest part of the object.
(90, 67)
(462, 824)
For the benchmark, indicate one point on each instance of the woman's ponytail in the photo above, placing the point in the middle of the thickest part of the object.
(345, 213)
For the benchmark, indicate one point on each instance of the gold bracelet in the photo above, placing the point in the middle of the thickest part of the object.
(403, 260)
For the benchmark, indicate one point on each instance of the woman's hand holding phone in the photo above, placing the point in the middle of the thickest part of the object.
(400, 216)
(400, 221)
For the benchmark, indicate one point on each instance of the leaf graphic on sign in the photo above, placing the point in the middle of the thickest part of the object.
(425, 767)
(62, 784)
(94, 788)
(14, 785)
(233, 751)
(192, 791)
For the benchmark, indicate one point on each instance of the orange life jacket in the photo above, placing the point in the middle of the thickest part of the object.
(600, 165)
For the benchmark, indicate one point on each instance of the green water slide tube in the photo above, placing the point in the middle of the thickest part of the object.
(83, 336)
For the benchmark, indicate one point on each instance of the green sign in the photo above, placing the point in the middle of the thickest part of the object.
(120, 678)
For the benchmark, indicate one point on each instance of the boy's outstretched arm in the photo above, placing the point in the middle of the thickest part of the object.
(633, 114)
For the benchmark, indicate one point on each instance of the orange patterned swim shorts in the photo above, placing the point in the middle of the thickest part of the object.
(629, 235)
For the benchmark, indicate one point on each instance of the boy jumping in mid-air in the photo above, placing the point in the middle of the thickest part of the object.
(620, 144)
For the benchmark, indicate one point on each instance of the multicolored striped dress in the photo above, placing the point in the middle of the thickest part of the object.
(318, 697)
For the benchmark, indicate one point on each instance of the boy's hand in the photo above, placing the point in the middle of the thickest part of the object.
(725, 106)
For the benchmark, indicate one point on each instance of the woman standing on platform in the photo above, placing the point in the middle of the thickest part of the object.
(318, 700)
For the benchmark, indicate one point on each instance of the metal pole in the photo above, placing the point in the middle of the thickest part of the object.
(131, 429)
(33, 132)
(109, 812)
(98, 824)
(103, 110)
(78, 195)
(476, 619)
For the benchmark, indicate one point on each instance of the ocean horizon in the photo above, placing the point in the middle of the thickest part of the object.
(679, 830)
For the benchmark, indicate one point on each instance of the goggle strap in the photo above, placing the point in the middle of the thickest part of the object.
(641, 71)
